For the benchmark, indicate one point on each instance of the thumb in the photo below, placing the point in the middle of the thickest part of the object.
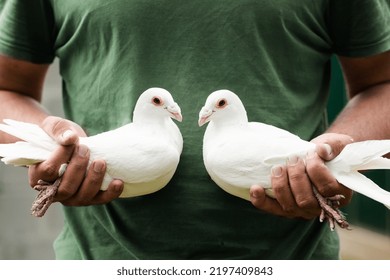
(329, 145)
(325, 151)
(63, 131)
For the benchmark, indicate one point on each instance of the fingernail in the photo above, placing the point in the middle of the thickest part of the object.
(118, 186)
(98, 166)
(67, 135)
(62, 169)
(293, 160)
(83, 150)
(276, 171)
(328, 149)
(253, 193)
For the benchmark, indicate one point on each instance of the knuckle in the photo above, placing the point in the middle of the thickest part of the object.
(314, 165)
(48, 170)
(78, 166)
(327, 188)
(65, 191)
(330, 184)
(289, 209)
(296, 177)
(279, 188)
(306, 203)
(95, 179)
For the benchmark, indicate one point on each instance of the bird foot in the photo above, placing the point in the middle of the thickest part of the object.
(330, 211)
(44, 199)
(46, 194)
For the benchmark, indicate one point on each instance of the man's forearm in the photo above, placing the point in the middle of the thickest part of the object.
(366, 115)
(19, 107)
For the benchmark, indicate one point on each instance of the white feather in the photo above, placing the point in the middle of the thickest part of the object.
(143, 154)
(238, 154)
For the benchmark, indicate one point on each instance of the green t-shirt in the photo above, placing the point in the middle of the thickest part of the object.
(274, 54)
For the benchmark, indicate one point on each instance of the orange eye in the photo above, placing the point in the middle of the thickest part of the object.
(157, 101)
(221, 103)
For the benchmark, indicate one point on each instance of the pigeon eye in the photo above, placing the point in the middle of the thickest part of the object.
(221, 103)
(157, 101)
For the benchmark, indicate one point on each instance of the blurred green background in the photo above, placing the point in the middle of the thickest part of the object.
(362, 211)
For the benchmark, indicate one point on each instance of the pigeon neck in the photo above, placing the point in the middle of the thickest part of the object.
(238, 117)
(146, 117)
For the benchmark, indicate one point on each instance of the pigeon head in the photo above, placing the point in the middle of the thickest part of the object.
(222, 106)
(156, 103)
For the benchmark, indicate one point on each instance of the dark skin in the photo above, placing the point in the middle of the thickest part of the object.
(21, 85)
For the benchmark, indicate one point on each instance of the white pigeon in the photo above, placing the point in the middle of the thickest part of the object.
(238, 154)
(143, 154)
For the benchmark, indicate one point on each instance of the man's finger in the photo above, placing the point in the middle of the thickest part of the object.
(113, 191)
(90, 186)
(74, 175)
(63, 131)
(300, 184)
(329, 145)
(265, 203)
(48, 170)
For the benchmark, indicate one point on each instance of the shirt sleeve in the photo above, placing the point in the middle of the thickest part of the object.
(359, 27)
(27, 30)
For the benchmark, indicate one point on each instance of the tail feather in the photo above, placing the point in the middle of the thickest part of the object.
(36, 148)
(363, 185)
(22, 154)
(363, 155)
(28, 132)
(376, 163)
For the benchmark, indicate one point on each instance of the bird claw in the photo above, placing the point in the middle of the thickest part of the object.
(46, 194)
(330, 211)
(45, 197)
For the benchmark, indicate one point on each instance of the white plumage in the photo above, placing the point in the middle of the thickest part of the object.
(238, 154)
(143, 154)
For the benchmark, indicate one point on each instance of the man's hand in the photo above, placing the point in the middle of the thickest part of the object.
(80, 185)
(329, 145)
(292, 183)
